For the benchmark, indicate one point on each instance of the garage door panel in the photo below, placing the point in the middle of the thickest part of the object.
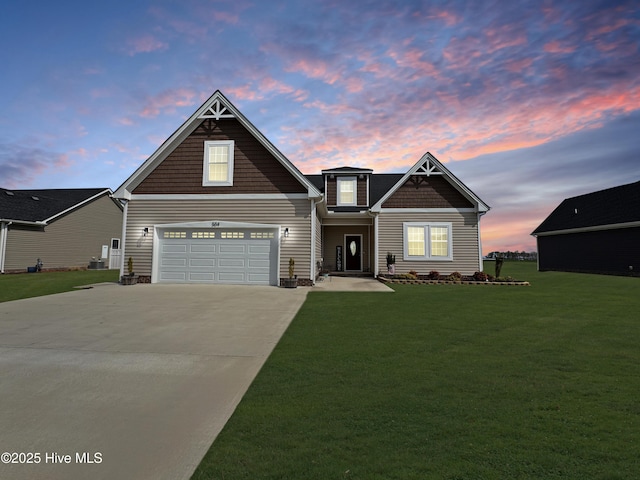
(232, 249)
(174, 248)
(174, 262)
(259, 263)
(204, 257)
(202, 247)
(173, 276)
(231, 277)
(201, 277)
(259, 249)
(232, 262)
(202, 262)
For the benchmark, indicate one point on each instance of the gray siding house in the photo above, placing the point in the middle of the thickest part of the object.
(219, 203)
(65, 228)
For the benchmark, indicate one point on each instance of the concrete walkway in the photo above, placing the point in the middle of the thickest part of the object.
(137, 380)
(351, 284)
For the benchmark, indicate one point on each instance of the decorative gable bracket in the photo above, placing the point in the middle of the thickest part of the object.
(217, 111)
(428, 168)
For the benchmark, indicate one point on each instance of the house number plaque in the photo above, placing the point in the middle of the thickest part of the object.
(215, 224)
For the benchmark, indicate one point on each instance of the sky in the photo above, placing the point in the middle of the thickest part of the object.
(526, 102)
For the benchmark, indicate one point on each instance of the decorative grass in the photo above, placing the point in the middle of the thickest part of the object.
(448, 382)
(25, 285)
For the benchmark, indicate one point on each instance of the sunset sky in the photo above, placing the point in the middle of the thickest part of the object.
(526, 102)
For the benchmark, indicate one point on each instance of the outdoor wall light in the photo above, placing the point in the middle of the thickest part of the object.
(286, 232)
(145, 231)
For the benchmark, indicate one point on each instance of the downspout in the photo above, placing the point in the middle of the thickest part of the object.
(480, 260)
(376, 243)
(123, 240)
(312, 269)
(4, 229)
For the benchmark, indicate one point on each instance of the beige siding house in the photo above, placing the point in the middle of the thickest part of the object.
(219, 203)
(64, 228)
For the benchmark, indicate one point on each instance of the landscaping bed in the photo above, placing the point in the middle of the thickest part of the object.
(455, 278)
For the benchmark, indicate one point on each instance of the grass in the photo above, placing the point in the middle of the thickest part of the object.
(17, 286)
(448, 382)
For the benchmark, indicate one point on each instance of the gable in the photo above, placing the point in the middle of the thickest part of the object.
(258, 158)
(256, 170)
(427, 192)
(428, 184)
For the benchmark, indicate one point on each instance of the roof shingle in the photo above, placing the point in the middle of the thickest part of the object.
(605, 207)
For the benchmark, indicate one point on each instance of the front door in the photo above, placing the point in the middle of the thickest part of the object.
(353, 253)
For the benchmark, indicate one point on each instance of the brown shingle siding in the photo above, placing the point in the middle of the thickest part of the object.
(427, 192)
(256, 170)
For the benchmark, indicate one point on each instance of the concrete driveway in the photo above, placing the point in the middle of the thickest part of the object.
(137, 380)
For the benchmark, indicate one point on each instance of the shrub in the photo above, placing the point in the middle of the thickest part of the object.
(455, 277)
(414, 273)
(433, 275)
(480, 277)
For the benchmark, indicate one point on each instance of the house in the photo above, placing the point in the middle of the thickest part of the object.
(65, 228)
(219, 203)
(594, 233)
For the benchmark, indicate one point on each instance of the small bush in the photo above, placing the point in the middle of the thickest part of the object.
(405, 276)
(480, 277)
(433, 275)
(414, 273)
(455, 277)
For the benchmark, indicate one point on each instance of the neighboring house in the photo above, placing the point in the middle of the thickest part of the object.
(594, 233)
(65, 228)
(219, 203)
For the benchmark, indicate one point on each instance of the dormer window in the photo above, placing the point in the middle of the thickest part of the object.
(218, 163)
(347, 191)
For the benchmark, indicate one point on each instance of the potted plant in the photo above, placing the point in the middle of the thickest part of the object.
(132, 278)
(391, 263)
(292, 281)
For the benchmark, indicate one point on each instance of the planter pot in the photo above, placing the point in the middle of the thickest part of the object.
(290, 283)
(129, 279)
(392, 269)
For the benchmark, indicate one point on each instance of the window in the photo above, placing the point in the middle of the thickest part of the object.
(427, 241)
(232, 235)
(174, 235)
(347, 193)
(203, 234)
(218, 163)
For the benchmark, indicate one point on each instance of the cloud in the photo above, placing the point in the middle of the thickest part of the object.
(146, 43)
(167, 101)
(22, 165)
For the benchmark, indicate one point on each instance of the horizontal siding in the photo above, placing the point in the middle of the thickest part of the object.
(465, 242)
(292, 214)
(70, 241)
(255, 169)
(427, 192)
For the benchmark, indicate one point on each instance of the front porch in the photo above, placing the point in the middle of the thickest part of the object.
(348, 248)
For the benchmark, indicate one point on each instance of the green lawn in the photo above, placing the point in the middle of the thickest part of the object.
(25, 285)
(448, 382)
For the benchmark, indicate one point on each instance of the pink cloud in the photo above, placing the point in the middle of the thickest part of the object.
(145, 44)
(168, 101)
(557, 47)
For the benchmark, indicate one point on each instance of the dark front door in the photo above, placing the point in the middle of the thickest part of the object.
(353, 252)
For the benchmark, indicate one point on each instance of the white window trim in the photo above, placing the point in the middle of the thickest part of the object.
(205, 166)
(427, 237)
(355, 191)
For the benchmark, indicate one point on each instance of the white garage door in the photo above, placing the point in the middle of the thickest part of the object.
(234, 256)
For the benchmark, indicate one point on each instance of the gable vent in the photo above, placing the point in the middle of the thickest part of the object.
(9, 193)
(35, 198)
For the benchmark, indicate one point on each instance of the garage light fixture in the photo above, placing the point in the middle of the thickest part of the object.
(286, 232)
